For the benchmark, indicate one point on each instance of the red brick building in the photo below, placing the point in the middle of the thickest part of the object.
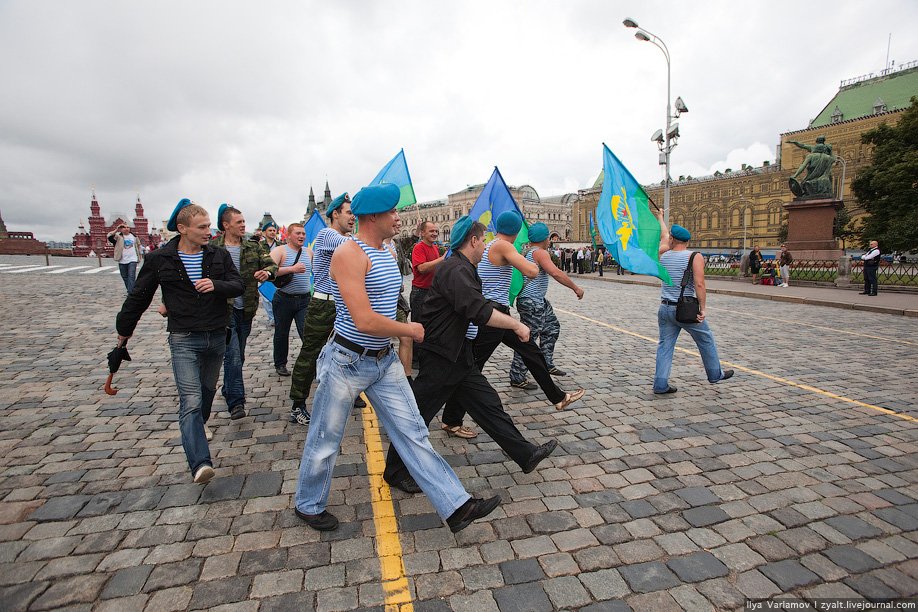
(95, 239)
(19, 243)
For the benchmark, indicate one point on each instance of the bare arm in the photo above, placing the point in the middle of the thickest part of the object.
(542, 258)
(664, 233)
(349, 267)
(502, 321)
(503, 253)
(700, 291)
(277, 254)
(428, 266)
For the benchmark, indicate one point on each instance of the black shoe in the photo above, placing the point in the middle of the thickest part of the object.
(237, 412)
(359, 403)
(526, 384)
(408, 485)
(300, 415)
(727, 374)
(669, 389)
(539, 454)
(871, 295)
(282, 371)
(557, 372)
(325, 521)
(470, 511)
(863, 293)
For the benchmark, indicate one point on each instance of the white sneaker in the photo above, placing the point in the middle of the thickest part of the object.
(208, 433)
(204, 474)
(785, 285)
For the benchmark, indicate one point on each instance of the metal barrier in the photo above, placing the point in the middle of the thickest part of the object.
(889, 274)
(721, 269)
(819, 270)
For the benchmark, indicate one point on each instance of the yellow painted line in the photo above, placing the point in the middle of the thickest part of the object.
(840, 331)
(388, 546)
(741, 368)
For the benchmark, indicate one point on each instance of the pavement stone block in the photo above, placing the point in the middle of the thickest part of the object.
(690, 599)
(127, 582)
(698, 566)
(853, 527)
(337, 600)
(70, 591)
(704, 516)
(871, 587)
(754, 585)
(59, 508)
(851, 558)
(528, 597)
(303, 601)
(325, 577)
(169, 600)
(522, 570)
(480, 601)
(648, 577)
(18, 598)
(173, 574)
(219, 592)
(661, 600)
(721, 593)
(788, 574)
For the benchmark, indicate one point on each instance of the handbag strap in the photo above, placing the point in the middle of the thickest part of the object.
(688, 275)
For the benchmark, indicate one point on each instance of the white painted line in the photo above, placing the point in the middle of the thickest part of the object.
(68, 270)
(97, 270)
(117, 271)
(29, 269)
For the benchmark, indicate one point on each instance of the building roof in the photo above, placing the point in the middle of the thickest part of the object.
(861, 96)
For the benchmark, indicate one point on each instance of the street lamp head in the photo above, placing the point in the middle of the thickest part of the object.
(657, 136)
(680, 106)
(630, 23)
(642, 35)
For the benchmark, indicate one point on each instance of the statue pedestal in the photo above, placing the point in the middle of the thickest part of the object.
(809, 229)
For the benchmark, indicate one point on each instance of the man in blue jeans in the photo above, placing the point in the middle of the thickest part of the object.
(196, 279)
(366, 283)
(675, 257)
(254, 265)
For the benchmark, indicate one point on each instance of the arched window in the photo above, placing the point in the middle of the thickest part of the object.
(734, 218)
(715, 220)
(747, 217)
(704, 221)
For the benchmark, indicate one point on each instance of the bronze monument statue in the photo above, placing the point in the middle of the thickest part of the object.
(818, 165)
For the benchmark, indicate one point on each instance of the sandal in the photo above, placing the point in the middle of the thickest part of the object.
(570, 398)
(460, 431)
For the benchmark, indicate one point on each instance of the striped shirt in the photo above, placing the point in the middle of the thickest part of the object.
(192, 265)
(675, 263)
(236, 255)
(535, 288)
(327, 240)
(300, 283)
(495, 280)
(383, 283)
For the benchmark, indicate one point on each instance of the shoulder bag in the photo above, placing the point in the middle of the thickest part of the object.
(687, 306)
(286, 279)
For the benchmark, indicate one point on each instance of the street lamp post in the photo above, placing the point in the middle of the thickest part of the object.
(670, 135)
(841, 185)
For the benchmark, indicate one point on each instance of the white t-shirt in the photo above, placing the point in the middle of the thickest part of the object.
(129, 253)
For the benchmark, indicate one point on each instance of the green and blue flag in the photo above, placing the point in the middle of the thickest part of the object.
(396, 172)
(628, 228)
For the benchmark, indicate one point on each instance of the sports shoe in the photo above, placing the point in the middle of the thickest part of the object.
(204, 474)
(528, 385)
(282, 371)
(554, 371)
(540, 453)
(727, 374)
(570, 398)
(237, 412)
(470, 511)
(208, 434)
(325, 521)
(669, 389)
(300, 415)
(359, 403)
(408, 485)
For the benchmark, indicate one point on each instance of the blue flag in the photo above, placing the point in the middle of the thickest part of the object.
(628, 228)
(495, 199)
(396, 172)
(313, 226)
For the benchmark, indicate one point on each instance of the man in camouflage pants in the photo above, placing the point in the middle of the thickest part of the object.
(320, 315)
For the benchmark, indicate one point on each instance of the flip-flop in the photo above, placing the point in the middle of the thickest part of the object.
(570, 398)
(460, 431)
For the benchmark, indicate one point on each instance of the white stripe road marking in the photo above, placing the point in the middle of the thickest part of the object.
(68, 270)
(29, 269)
(97, 270)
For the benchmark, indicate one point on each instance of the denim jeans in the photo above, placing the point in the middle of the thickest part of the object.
(268, 310)
(288, 309)
(196, 361)
(669, 332)
(342, 375)
(236, 335)
(128, 274)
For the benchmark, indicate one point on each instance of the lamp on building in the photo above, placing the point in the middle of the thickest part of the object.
(671, 132)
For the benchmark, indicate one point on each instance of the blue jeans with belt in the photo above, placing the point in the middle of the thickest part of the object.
(342, 374)
(669, 333)
(128, 274)
(288, 309)
(196, 361)
(236, 336)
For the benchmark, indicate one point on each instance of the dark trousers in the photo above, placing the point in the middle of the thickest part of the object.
(599, 265)
(485, 344)
(440, 380)
(320, 321)
(288, 309)
(870, 279)
(415, 299)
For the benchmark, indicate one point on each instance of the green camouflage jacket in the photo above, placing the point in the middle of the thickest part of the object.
(251, 259)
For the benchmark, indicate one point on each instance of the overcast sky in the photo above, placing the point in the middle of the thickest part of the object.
(253, 102)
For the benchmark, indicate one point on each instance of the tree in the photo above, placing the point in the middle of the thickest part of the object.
(888, 188)
(843, 228)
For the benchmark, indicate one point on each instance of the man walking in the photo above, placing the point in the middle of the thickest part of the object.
(197, 279)
(675, 257)
(536, 311)
(290, 300)
(871, 261)
(453, 312)
(254, 266)
(320, 315)
(425, 257)
(359, 356)
(127, 254)
(784, 260)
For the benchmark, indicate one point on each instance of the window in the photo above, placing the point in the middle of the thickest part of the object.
(715, 220)
(734, 218)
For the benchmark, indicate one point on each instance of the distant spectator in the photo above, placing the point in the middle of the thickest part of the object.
(785, 259)
(127, 254)
(755, 264)
(871, 261)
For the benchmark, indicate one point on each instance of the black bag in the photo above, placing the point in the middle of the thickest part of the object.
(687, 306)
(286, 279)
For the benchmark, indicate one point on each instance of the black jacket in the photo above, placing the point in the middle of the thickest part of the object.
(454, 299)
(188, 309)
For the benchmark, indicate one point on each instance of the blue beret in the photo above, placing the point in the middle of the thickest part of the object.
(269, 224)
(336, 204)
(509, 222)
(172, 225)
(220, 212)
(376, 199)
(538, 232)
(680, 233)
(460, 230)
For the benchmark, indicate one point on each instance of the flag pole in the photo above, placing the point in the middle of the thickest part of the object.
(654, 203)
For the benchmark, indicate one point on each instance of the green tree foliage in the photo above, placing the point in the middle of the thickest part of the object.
(888, 188)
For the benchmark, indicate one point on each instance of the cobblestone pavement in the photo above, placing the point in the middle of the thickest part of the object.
(793, 477)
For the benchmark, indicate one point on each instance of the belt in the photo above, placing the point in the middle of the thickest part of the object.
(353, 346)
(318, 295)
(295, 295)
(669, 302)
